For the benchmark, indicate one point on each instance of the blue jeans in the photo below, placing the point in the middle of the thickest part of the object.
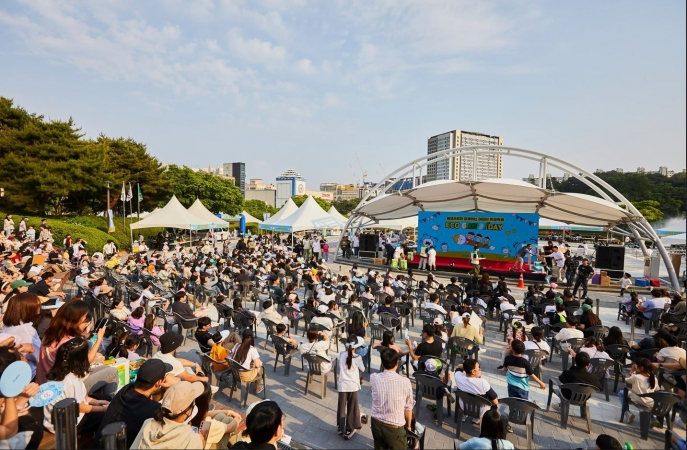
(514, 391)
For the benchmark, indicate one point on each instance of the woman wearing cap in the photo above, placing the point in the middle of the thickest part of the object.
(323, 320)
(169, 427)
(348, 411)
(588, 319)
(23, 312)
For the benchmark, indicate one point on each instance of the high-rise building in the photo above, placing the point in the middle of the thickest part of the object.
(464, 168)
(289, 183)
(328, 187)
(236, 170)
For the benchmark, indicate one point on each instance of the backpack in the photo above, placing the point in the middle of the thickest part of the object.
(219, 353)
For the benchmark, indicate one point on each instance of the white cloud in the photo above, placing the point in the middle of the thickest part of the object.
(213, 46)
(304, 66)
(331, 100)
(255, 50)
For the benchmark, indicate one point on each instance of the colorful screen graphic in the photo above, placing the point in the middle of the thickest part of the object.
(499, 235)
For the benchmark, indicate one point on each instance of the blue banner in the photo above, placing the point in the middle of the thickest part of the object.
(499, 236)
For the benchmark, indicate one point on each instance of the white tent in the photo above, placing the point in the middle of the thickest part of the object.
(676, 239)
(237, 218)
(285, 211)
(337, 215)
(173, 215)
(199, 210)
(391, 224)
(310, 216)
(548, 224)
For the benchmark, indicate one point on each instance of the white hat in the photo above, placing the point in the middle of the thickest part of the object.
(466, 314)
(373, 272)
(359, 273)
(438, 321)
(432, 365)
(360, 343)
(85, 271)
(322, 309)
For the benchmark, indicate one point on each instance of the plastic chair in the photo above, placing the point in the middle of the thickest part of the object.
(280, 346)
(664, 402)
(413, 439)
(619, 353)
(270, 330)
(222, 376)
(598, 332)
(307, 317)
(292, 313)
(390, 321)
(406, 311)
(236, 370)
(315, 368)
(656, 314)
(468, 405)
(600, 368)
(520, 411)
(244, 320)
(459, 346)
(186, 326)
(426, 386)
(574, 343)
(535, 358)
(580, 393)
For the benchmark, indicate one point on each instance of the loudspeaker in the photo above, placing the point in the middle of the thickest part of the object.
(610, 257)
(368, 242)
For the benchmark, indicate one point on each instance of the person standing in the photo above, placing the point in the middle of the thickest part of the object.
(392, 404)
(585, 272)
(8, 226)
(432, 258)
(558, 263)
(356, 244)
(423, 257)
(474, 260)
(524, 252)
(316, 247)
(349, 419)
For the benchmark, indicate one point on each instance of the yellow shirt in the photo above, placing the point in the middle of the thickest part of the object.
(467, 332)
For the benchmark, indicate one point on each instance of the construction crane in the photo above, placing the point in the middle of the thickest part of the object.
(364, 172)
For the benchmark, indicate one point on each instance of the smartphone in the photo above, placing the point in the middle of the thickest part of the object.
(101, 324)
(204, 430)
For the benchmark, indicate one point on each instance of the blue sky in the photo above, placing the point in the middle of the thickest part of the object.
(310, 84)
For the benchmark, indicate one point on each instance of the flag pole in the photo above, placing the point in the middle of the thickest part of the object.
(138, 197)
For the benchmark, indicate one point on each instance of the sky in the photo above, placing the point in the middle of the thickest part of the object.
(318, 85)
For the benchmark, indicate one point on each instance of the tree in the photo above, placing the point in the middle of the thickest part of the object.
(346, 206)
(650, 210)
(257, 207)
(299, 199)
(217, 194)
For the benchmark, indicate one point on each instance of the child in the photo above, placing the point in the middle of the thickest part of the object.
(629, 304)
(349, 419)
(641, 381)
(281, 332)
(519, 371)
(71, 367)
(625, 283)
(130, 346)
(155, 331)
(137, 320)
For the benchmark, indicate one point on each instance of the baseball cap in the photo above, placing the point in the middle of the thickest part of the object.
(19, 283)
(466, 314)
(322, 309)
(586, 307)
(170, 341)
(218, 338)
(153, 370)
(433, 365)
(438, 321)
(180, 395)
(558, 301)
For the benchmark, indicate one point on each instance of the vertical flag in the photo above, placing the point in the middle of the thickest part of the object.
(140, 194)
(123, 196)
(129, 196)
(110, 220)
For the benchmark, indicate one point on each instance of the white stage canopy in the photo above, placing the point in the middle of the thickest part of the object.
(495, 195)
(173, 215)
(199, 210)
(337, 215)
(310, 216)
(676, 239)
(237, 218)
(390, 224)
(281, 215)
(553, 225)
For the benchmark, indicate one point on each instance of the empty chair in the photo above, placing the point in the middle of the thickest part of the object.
(520, 412)
(315, 369)
(427, 386)
(579, 394)
(283, 349)
(469, 405)
(236, 370)
(664, 402)
(535, 358)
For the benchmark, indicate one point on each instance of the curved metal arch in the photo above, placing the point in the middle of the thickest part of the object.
(635, 220)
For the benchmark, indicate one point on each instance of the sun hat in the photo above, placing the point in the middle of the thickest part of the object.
(181, 395)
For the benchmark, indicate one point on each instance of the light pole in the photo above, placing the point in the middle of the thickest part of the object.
(107, 208)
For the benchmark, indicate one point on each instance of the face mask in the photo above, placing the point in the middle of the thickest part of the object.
(193, 414)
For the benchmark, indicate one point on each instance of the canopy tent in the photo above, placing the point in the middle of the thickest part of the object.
(554, 225)
(678, 228)
(237, 218)
(173, 215)
(310, 216)
(285, 211)
(391, 224)
(337, 215)
(495, 195)
(676, 239)
(199, 210)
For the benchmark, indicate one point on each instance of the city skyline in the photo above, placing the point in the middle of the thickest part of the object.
(208, 82)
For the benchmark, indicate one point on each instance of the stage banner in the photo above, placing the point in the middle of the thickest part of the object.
(498, 235)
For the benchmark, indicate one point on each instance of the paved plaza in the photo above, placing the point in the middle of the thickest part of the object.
(311, 421)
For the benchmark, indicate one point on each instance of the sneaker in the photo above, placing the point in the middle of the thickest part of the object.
(482, 350)
(214, 389)
(630, 418)
(350, 435)
(260, 389)
(556, 406)
(510, 429)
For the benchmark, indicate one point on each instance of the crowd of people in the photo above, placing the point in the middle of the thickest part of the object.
(51, 324)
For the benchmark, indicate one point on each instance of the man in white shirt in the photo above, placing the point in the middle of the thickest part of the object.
(559, 262)
(316, 248)
(506, 305)
(169, 343)
(569, 332)
(356, 244)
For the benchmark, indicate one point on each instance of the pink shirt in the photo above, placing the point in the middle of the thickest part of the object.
(46, 359)
(137, 324)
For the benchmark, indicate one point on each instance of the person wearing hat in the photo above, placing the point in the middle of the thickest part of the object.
(323, 320)
(465, 330)
(133, 404)
(568, 332)
(351, 366)
(169, 426)
(588, 318)
(169, 343)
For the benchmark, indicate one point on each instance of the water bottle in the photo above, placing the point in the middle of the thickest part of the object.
(405, 334)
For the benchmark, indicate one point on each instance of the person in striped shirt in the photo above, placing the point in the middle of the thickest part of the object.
(519, 371)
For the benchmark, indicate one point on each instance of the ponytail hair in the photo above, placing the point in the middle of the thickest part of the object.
(350, 342)
(645, 365)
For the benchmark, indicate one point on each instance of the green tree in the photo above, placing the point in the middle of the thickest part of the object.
(257, 207)
(346, 206)
(299, 199)
(650, 210)
(217, 194)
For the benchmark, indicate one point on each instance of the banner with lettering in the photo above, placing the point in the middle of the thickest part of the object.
(499, 236)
